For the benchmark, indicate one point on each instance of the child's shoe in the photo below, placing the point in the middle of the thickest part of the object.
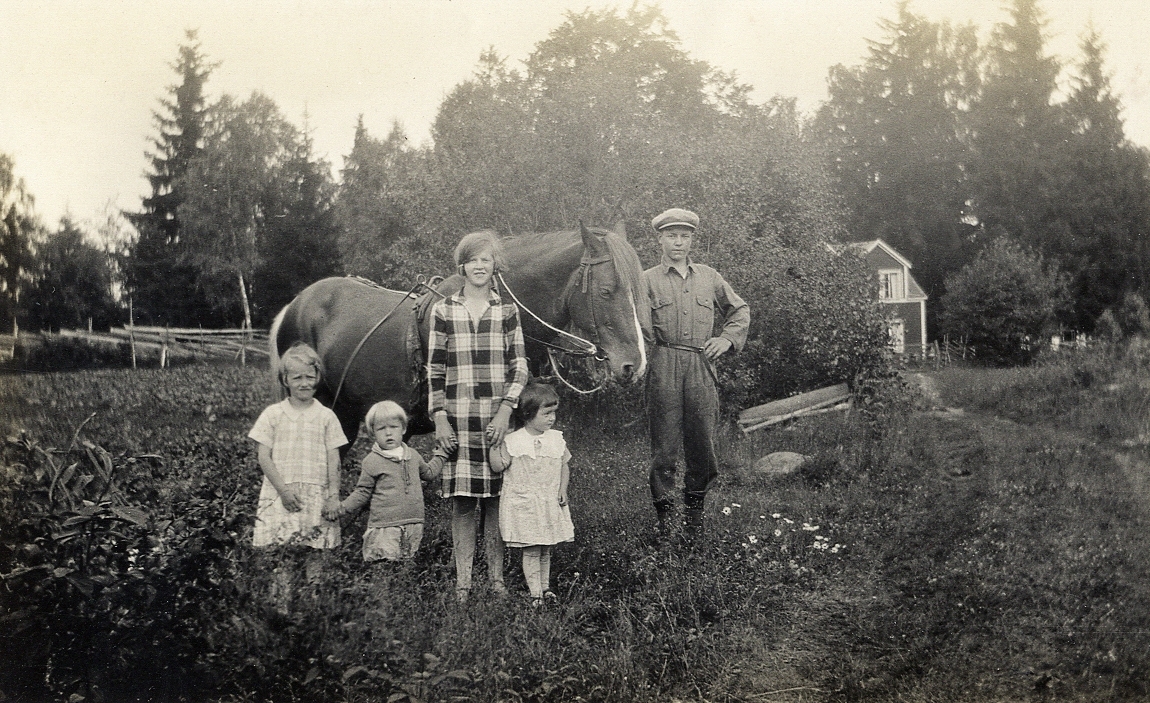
(550, 597)
(498, 589)
(461, 595)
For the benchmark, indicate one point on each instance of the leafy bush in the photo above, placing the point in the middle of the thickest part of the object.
(1005, 302)
(98, 586)
(1134, 314)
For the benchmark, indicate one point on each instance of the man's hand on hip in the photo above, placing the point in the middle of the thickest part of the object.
(716, 347)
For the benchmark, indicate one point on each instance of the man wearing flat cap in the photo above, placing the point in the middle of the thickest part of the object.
(682, 401)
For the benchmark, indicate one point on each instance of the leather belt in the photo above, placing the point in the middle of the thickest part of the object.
(696, 350)
(680, 347)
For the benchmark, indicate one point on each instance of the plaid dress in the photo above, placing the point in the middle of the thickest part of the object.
(299, 440)
(474, 366)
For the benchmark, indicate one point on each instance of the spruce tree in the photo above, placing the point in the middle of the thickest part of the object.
(1104, 207)
(163, 284)
(1016, 131)
(894, 126)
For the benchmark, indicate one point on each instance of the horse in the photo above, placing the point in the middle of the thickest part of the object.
(373, 341)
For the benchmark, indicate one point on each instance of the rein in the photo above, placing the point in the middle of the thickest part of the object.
(590, 348)
(420, 283)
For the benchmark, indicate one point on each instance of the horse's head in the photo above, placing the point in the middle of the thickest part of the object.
(606, 302)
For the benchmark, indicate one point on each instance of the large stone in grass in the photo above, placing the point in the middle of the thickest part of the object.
(781, 463)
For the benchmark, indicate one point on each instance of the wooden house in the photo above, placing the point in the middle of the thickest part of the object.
(902, 298)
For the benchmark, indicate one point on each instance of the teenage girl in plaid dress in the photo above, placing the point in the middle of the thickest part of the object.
(476, 370)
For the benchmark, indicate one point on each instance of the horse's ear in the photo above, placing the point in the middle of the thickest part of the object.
(621, 229)
(592, 243)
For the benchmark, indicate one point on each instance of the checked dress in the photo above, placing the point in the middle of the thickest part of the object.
(473, 366)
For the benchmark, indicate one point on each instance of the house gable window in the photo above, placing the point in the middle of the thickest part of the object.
(890, 285)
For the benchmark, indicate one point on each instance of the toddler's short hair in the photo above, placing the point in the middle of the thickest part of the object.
(300, 354)
(475, 243)
(535, 396)
(384, 410)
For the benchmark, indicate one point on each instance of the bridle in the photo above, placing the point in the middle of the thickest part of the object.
(588, 347)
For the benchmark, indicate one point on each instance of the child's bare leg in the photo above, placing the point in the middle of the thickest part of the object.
(531, 570)
(463, 541)
(545, 567)
(314, 564)
(493, 544)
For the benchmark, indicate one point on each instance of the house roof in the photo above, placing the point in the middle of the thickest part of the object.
(864, 248)
(914, 290)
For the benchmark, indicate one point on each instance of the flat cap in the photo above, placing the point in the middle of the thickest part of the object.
(675, 217)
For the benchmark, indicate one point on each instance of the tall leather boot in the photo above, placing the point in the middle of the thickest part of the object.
(693, 517)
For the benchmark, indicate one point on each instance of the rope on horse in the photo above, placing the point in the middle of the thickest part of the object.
(420, 283)
(593, 349)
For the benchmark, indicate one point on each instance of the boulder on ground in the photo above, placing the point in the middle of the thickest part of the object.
(781, 463)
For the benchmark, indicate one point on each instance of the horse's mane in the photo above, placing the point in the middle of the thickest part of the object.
(630, 272)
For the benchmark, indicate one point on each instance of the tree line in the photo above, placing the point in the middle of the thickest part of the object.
(941, 146)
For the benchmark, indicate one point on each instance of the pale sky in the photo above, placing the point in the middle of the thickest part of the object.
(79, 79)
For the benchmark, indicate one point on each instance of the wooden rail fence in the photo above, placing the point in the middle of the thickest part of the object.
(178, 343)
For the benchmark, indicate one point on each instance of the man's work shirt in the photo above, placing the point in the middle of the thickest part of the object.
(683, 308)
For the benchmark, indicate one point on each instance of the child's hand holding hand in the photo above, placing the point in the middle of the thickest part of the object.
(331, 509)
(291, 501)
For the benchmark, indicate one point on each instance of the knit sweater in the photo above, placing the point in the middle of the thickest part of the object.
(392, 487)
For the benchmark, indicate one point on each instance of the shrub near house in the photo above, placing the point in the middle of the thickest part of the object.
(1004, 301)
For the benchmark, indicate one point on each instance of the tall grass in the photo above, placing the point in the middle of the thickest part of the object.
(913, 558)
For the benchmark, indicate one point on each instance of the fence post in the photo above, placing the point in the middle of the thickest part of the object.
(164, 347)
(132, 331)
(244, 344)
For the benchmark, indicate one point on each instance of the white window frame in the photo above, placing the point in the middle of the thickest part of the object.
(891, 284)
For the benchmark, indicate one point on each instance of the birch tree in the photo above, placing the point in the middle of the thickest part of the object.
(226, 190)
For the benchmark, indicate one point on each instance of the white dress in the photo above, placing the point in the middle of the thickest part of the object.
(529, 510)
(299, 440)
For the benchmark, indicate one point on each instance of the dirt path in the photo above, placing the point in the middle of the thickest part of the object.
(1135, 466)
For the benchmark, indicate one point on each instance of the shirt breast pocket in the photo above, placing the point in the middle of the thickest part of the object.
(662, 314)
(704, 321)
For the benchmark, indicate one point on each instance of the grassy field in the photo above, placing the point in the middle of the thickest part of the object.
(1001, 553)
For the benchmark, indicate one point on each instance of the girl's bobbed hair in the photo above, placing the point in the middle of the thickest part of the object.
(384, 410)
(476, 243)
(535, 396)
(300, 355)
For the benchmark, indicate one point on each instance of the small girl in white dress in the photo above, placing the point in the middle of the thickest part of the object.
(299, 440)
(533, 512)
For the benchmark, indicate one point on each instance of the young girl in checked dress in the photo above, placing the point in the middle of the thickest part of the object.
(534, 513)
(298, 449)
(476, 370)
